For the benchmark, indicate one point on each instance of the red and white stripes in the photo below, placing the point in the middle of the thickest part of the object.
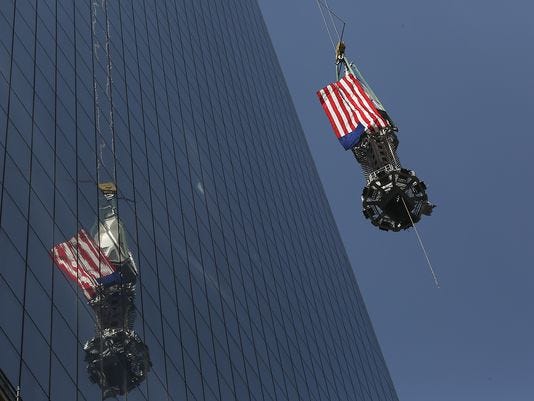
(347, 105)
(82, 261)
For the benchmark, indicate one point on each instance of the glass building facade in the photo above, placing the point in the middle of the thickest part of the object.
(245, 291)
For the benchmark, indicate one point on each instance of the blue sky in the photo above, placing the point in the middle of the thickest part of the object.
(457, 77)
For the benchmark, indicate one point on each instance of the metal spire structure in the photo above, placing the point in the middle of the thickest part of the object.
(117, 359)
(389, 187)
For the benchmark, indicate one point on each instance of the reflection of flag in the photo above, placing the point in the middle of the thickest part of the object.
(82, 261)
(350, 110)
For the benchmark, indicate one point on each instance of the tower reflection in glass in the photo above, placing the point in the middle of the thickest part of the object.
(103, 266)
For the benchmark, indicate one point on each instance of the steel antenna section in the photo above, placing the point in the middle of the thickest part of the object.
(363, 125)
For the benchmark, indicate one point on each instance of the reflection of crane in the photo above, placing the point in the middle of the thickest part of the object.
(393, 197)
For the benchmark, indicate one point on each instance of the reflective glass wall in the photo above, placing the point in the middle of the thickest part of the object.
(244, 291)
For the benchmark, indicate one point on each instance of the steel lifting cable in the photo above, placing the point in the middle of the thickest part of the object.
(101, 143)
(109, 88)
(325, 23)
(332, 19)
(323, 4)
(100, 158)
(421, 244)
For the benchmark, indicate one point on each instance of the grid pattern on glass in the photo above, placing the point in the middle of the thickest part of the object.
(245, 291)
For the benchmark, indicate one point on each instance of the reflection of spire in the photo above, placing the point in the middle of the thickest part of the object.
(104, 268)
(110, 235)
(117, 358)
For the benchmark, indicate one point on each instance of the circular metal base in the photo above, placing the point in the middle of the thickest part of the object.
(386, 198)
(117, 360)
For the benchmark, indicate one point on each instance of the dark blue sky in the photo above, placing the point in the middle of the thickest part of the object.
(457, 77)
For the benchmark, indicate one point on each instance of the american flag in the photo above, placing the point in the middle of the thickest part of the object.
(82, 261)
(350, 110)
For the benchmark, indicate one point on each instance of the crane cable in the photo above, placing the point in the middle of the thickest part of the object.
(101, 145)
(421, 244)
(109, 87)
(330, 12)
(108, 91)
(325, 23)
(323, 4)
